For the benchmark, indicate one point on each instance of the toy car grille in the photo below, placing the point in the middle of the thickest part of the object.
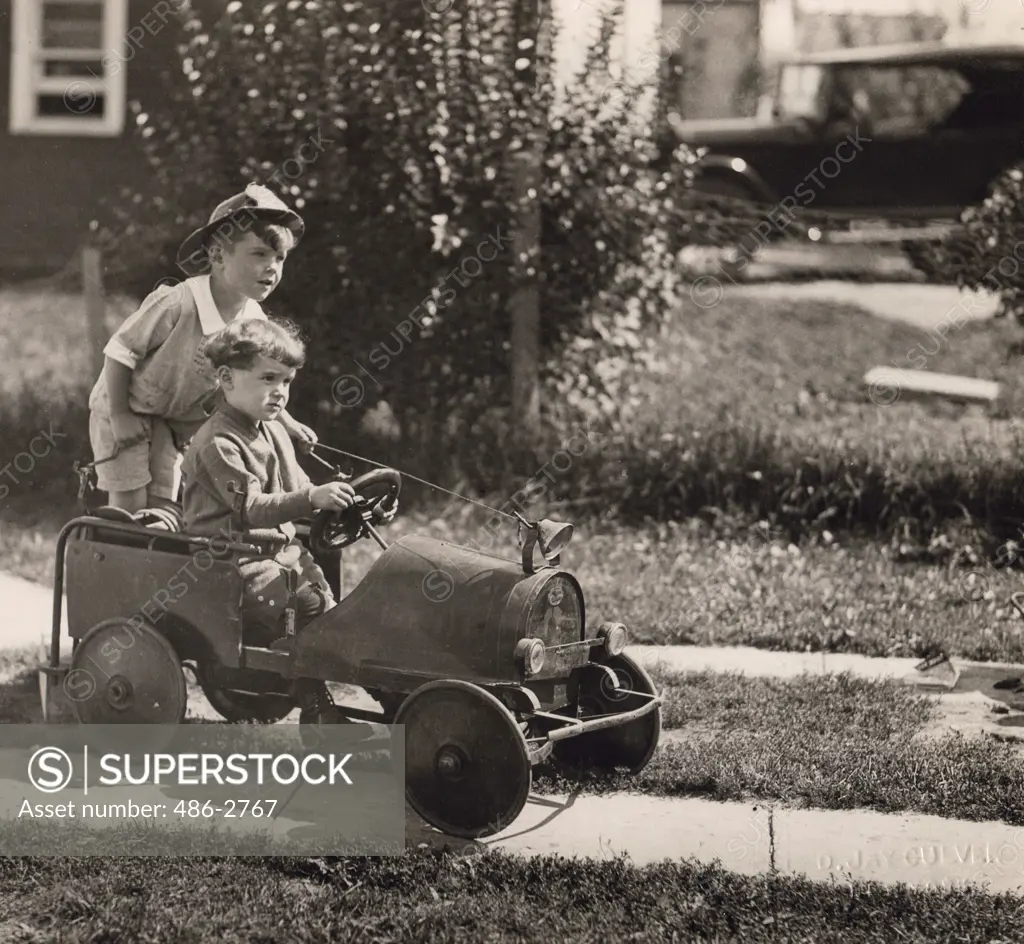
(556, 616)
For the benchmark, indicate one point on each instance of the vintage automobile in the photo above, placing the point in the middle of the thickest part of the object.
(488, 662)
(889, 141)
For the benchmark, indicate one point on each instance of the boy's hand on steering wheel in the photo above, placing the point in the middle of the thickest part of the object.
(333, 496)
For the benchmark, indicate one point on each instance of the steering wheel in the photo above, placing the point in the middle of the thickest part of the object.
(376, 494)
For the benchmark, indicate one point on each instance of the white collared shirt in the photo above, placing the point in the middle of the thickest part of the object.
(163, 344)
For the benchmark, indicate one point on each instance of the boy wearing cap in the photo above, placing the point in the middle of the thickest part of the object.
(157, 387)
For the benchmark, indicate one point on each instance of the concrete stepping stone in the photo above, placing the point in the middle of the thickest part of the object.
(753, 839)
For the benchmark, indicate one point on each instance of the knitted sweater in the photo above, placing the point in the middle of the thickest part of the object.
(233, 452)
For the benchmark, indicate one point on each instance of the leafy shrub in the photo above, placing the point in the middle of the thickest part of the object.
(396, 137)
(995, 236)
(735, 421)
(989, 251)
(802, 480)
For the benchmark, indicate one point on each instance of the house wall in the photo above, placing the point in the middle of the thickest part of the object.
(717, 56)
(821, 31)
(720, 63)
(995, 19)
(827, 23)
(51, 186)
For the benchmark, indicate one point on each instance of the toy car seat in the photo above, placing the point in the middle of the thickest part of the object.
(163, 518)
(158, 519)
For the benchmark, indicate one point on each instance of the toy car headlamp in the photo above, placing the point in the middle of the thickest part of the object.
(614, 636)
(531, 654)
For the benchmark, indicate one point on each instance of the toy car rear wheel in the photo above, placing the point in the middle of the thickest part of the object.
(467, 766)
(630, 745)
(128, 673)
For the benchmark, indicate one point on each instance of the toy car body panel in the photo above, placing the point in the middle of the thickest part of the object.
(194, 600)
(879, 127)
(435, 609)
(427, 610)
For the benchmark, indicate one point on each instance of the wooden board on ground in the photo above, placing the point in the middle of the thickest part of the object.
(929, 383)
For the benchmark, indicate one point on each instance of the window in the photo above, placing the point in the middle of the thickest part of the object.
(800, 92)
(66, 77)
(902, 100)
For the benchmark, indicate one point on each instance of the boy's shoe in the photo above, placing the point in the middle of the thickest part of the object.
(316, 707)
(357, 730)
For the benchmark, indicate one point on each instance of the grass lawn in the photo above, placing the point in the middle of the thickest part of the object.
(758, 409)
(437, 897)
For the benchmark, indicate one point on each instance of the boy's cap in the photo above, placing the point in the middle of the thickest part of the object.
(255, 202)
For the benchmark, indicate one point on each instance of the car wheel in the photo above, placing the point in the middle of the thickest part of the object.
(725, 188)
(467, 764)
(127, 673)
(630, 745)
(740, 210)
(245, 706)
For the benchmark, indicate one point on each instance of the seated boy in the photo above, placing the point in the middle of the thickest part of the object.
(240, 473)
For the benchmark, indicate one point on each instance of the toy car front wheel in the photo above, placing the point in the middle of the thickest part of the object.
(127, 673)
(467, 766)
(630, 745)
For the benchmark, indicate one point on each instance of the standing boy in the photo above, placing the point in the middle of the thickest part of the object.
(157, 387)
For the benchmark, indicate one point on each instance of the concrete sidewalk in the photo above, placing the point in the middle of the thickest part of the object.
(766, 663)
(752, 839)
(923, 306)
(26, 613)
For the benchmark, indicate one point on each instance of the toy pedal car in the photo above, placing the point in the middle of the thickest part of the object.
(488, 662)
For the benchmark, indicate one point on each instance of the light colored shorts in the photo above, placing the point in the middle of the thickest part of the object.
(156, 463)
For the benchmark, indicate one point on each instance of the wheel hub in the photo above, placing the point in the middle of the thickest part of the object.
(119, 693)
(450, 762)
(148, 687)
